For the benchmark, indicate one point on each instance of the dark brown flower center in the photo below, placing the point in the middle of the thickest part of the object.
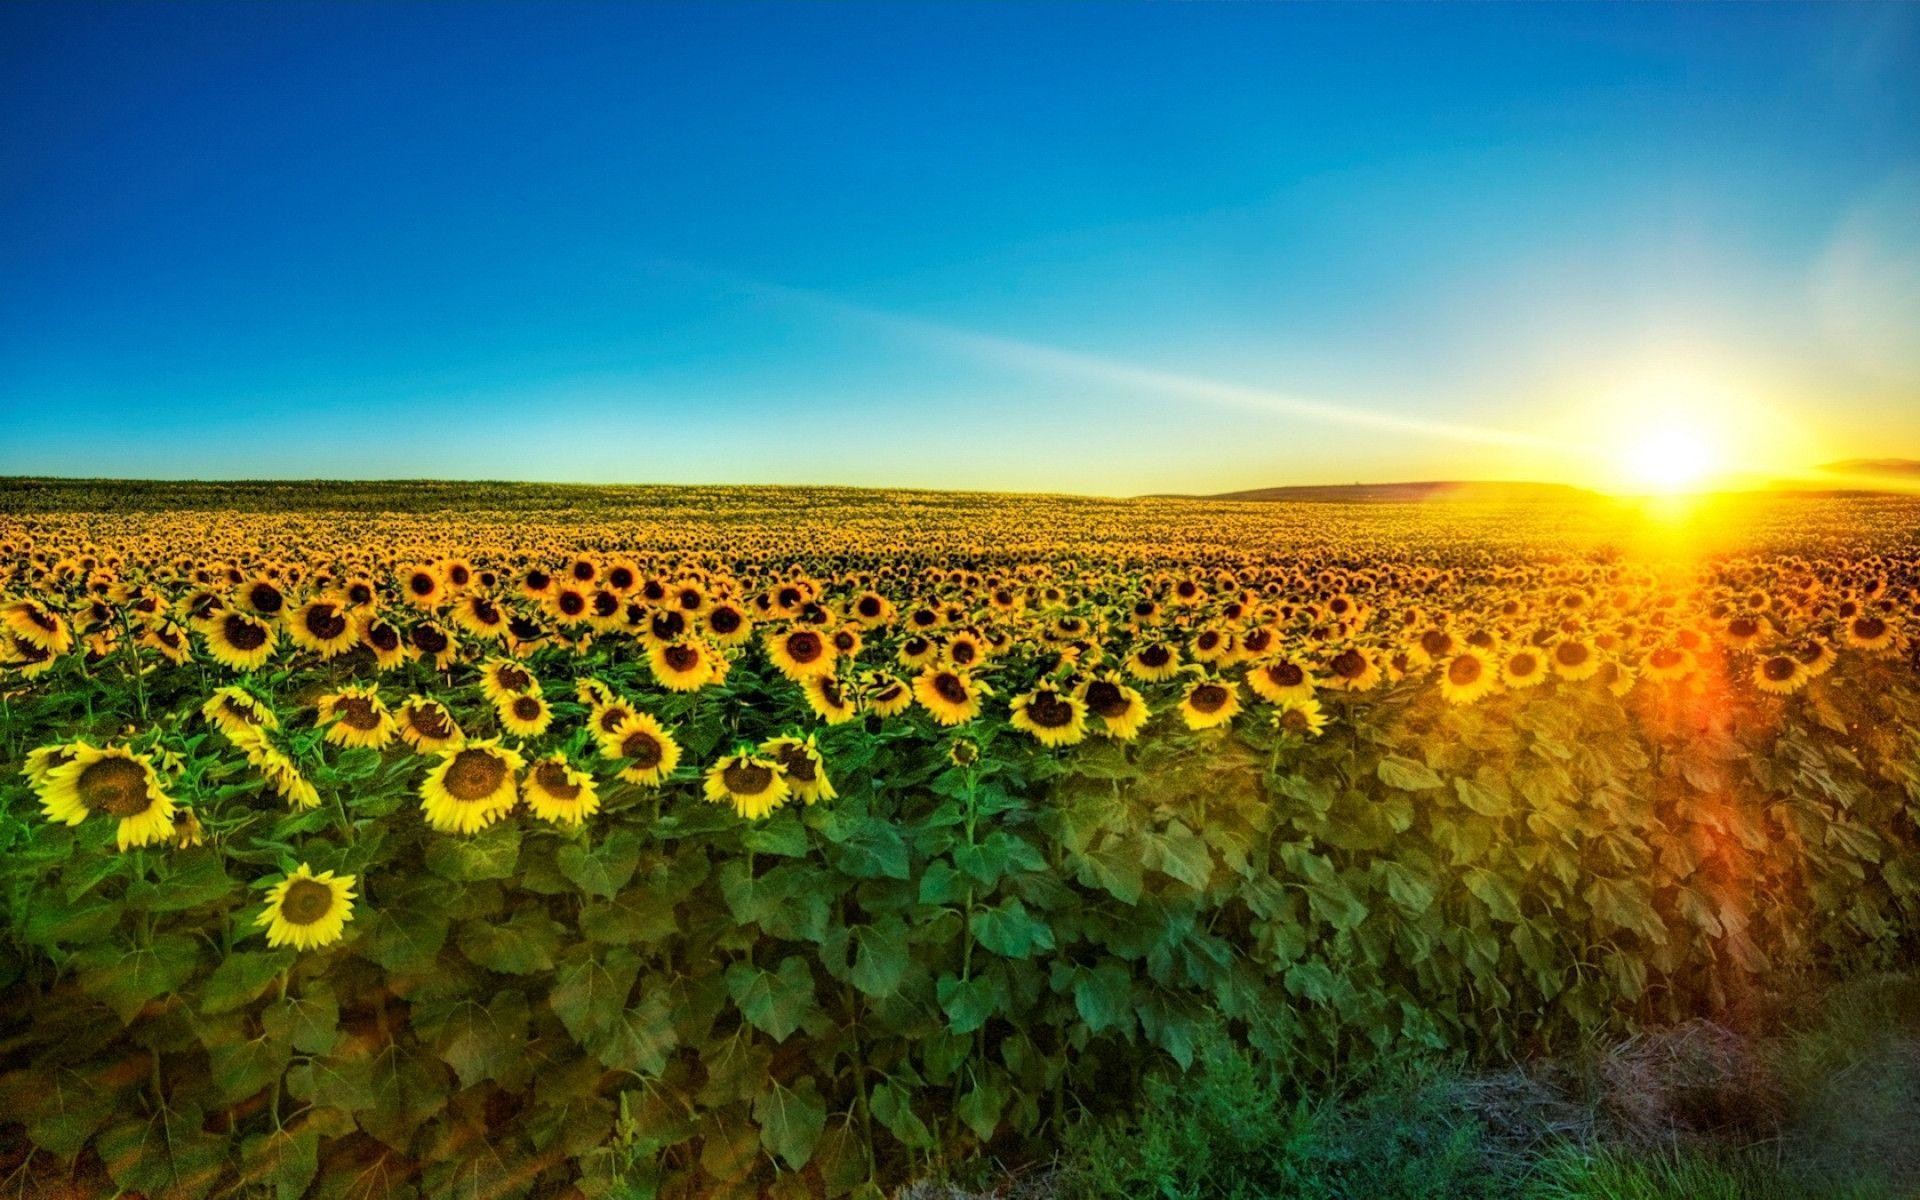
(1154, 657)
(555, 781)
(527, 708)
(1780, 668)
(1208, 698)
(512, 679)
(115, 786)
(1106, 699)
(1049, 711)
(243, 634)
(948, 687)
(357, 712)
(474, 775)
(1349, 664)
(681, 657)
(430, 722)
(804, 647)
(324, 621)
(746, 778)
(643, 748)
(797, 763)
(1286, 674)
(1465, 671)
(306, 901)
(724, 620)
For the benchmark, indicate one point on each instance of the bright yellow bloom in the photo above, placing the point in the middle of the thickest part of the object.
(307, 911)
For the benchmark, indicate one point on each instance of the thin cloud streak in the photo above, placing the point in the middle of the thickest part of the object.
(1034, 356)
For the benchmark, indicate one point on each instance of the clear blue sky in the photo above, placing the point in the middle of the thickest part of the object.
(1093, 248)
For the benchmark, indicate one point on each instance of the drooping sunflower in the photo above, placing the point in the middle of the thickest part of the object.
(238, 641)
(755, 786)
(798, 653)
(426, 725)
(1120, 709)
(1466, 675)
(41, 761)
(682, 666)
(1053, 717)
(115, 782)
(233, 709)
(383, 641)
(1302, 717)
(1779, 674)
(828, 699)
(307, 911)
(555, 790)
(650, 751)
(884, 694)
(800, 761)
(1209, 703)
(524, 716)
(37, 625)
(323, 626)
(471, 787)
(355, 716)
(949, 694)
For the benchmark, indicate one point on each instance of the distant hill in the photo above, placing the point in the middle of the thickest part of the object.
(1856, 475)
(1407, 493)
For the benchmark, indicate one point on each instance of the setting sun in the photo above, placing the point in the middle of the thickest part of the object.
(1671, 457)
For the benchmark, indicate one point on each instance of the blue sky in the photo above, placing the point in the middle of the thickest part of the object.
(1108, 249)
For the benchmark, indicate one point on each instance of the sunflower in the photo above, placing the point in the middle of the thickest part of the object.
(592, 692)
(37, 625)
(383, 641)
(307, 911)
(238, 641)
(1209, 703)
(114, 781)
(480, 616)
(964, 650)
(798, 653)
(650, 751)
(846, 642)
(557, 791)
(1668, 662)
(754, 786)
(1780, 674)
(884, 694)
(871, 609)
(727, 623)
(470, 788)
(504, 678)
(524, 716)
(682, 666)
(799, 760)
(828, 698)
(1053, 717)
(1122, 711)
(1352, 669)
(1280, 680)
(950, 694)
(430, 641)
(426, 725)
(1869, 632)
(917, 651)
(423, 587)
(322, 626)
(1816, 656)
(1300, 716)
(1153, 662)
(1616, 677)
(233, 709)
(1524, 668)
(41, 761)
(264, 598)
(354, 716)
(1574, 659)
(1466, 675)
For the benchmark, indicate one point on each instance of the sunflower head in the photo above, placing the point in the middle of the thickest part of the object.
(307, 911)
(755, 786)
(470, 788)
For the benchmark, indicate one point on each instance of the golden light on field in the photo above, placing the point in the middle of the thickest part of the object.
(1670, 457)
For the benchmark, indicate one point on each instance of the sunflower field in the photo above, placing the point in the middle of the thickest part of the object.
(503, 841)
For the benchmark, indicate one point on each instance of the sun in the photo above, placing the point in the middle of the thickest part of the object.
(1669, 456)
